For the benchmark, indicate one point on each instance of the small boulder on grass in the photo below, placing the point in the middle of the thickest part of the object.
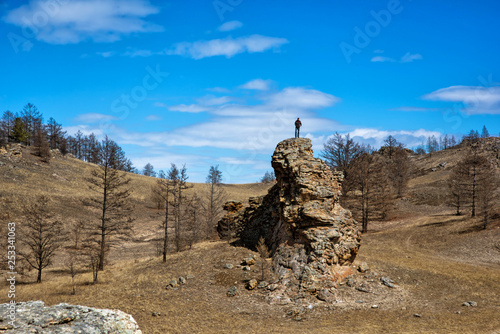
(248, 261)
(233, 291)
(252, 284)
(363, 267)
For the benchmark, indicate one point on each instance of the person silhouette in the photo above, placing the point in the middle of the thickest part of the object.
(298, 124)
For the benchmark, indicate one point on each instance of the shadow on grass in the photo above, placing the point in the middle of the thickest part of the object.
(445, 223)
(472, 229)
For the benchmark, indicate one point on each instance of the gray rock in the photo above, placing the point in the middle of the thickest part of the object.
(325, 295)
(272, 287)
(363, 267)
(350, 282)
(263, 285)
(172, 284)
(35, 317)
(233, 291)
(182, 280)
(228, 266)
(189, 276)
(362, 289)
(246, 268)
(416, 315)
(387, 282)
(374, 306)
(470, 304)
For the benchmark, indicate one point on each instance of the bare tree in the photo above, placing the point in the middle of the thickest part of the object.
(457, 185)
(164, 189)
(432, 144)
(391, 144)
(8, 119)
(193, 215)
(264, 255)
(32, 120)
(215, 197)
(339, 152)
(110, 185)
(149, 170)
(42, 145)
(399, 171)
(55, 134)
(487, 185)
(484, 132)
(41, 235)
(268, 177)
(374, 195)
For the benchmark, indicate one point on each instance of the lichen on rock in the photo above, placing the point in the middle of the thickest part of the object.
(35, 317)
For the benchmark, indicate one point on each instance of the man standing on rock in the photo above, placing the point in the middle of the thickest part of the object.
(298, 124)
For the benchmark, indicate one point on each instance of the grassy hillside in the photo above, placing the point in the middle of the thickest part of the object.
(437, 260)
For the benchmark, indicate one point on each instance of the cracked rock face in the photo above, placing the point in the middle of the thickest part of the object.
(305, 227)
(35, 317)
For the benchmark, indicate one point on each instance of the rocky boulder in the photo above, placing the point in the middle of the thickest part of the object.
(35, 317)
(301, 220)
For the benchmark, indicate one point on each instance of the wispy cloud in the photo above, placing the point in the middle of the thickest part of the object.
(106, 54)
(153, 118)
(376, 137)
(382, 59)
(476, 99)
(227, 47)
(257, 84)
(69, 22)
(94, 118)
(417, 109)
(407, 58)
(231, 25)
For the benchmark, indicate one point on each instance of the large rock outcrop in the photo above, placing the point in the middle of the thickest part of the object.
(305, 227)
(35, 317)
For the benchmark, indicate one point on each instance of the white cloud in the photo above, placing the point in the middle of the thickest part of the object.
(228, 47)
(417, 109)
(218, 90)
(231, 25)
(381, 59)
(106, 54)
(138, 53)
(477, 100)
(94, 118)
(68, 22)
(211, 100)
(302, 98)
(153, 118)
(407, 58)
(257, 84)
(191, 108)
(376, 137)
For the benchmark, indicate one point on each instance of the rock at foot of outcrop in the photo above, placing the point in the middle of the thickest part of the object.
(35, 317)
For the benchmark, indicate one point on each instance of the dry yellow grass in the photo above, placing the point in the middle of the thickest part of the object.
(440, 260)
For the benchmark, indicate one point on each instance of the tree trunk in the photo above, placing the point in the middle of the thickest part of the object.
(165, 238)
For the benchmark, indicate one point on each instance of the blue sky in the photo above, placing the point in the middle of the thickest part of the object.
(221, 82)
